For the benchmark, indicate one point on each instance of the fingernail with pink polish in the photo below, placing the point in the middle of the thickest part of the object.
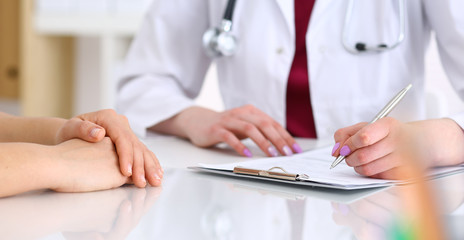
(287, 151)
(337, 145)
(345, 151)
(94, 133)
(247, 153)
(273, 151)
(297, 148)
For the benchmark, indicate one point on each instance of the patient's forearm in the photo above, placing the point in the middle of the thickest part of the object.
(25, 167)
(33, 130)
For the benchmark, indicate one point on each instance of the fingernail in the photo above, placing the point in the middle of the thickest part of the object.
(129, 169)
(345, 151)
(337, 145)
(157, 177)
(94, 133)
(160, 173)
(273, 151)
(287, 151)
(247, 153)
(297, 148)
(143, 179)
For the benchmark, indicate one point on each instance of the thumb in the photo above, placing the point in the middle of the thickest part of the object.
(85, 130)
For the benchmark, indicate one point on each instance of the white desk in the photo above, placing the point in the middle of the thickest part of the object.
(193, 205)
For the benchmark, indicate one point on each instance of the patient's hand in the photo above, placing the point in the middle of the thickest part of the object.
(135, 159)
(83, 166)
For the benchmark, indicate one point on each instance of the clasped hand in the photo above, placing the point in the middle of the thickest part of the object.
(135, 159)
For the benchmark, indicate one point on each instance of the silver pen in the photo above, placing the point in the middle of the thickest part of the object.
(383, 113)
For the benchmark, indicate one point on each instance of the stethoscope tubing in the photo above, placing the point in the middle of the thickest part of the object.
(381, 47)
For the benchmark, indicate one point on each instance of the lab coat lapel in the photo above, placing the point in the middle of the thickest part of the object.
(286, 8)
(320, 7)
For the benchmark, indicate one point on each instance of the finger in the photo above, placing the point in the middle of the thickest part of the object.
(102, 117)
(249, 130)
(288, 138)
(266, 126)
(151, 173)
(371, 153)
(366, 136)
(342, 134)
(138, 169)
(85, 130)
(159, 169)
(378, 166)
(124, 148)
(228, 137)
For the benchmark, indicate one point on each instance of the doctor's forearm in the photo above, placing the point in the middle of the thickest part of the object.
(179, 124)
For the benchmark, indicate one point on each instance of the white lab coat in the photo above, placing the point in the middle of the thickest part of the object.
(166, 64)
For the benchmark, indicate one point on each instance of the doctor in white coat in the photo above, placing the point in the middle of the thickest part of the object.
(167, 62)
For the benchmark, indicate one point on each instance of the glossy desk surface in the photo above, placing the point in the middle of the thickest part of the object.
(192, 205)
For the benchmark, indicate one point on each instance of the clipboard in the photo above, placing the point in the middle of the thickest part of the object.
(290, 179)
(311, 168)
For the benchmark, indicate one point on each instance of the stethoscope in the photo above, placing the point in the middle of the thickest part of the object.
(361, 47)
(220, 42)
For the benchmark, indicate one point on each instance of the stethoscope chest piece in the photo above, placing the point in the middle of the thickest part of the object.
(219, 41)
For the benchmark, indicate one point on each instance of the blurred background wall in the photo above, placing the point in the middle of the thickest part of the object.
(61, 58)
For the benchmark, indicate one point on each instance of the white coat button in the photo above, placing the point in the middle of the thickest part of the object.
(280, 50)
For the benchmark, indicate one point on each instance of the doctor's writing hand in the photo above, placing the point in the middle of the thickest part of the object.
(206, 128)
(134, 157)
(382, 149)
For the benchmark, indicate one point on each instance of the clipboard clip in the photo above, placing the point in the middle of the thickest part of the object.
(271, 174)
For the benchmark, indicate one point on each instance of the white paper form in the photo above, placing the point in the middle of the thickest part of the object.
(316, 164)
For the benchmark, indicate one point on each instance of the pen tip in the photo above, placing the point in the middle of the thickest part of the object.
(331, 167)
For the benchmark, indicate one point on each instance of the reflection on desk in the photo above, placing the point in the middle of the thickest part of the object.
(203, 206)
(198, 206)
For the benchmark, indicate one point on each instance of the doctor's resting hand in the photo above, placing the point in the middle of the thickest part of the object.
(382, 148)
(72, 155)
(205, 128)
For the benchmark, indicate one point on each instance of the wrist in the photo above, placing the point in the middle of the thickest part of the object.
(189, 120)
(183, 123)
(53, 167)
